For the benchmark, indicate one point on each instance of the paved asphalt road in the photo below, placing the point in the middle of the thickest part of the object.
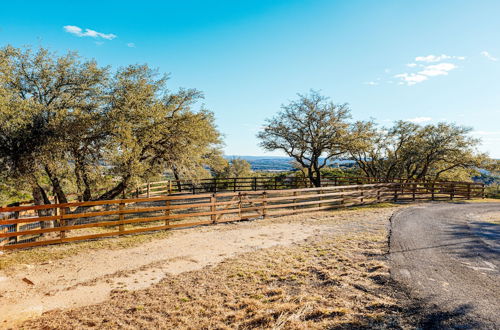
(449, 259)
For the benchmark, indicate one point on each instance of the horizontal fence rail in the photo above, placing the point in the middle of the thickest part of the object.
(29, 226)
(262, 183)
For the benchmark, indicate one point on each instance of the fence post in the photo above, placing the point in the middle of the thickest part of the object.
(255, 184)
(16, 216)
(362, 199)
(342, 199)
(264, 205)
(148, 189)
(193, 187)
(55, 202)
(215, 185)
(378, 194)
(167, 212)
(275, 183)
(396, 188)
(320, 192)
(294, 200)
(433, 192)
(213, 200)
(414, 191)
(121, 217)
(239, 205)
(234, 184)
(452, 191)
(468, 190)
(62, 221)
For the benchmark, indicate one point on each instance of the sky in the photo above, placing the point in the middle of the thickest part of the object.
(425, 61)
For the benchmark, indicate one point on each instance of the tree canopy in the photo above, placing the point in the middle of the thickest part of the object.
(235, 168)
(414, 152)
(312, 130)
(70, 125)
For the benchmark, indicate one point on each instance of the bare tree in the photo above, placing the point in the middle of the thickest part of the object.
(312, 130)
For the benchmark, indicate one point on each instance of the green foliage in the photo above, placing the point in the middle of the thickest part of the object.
(235, 168)
(406, 150)
(69, 125)
(311, 130)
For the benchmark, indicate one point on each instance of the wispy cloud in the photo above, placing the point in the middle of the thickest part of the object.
(422, 68)
(131, 45)
(440, 69)
(437, 58)
(427, 71)
(79, 32)
(489, 56)
(419, 120)
(411, 78)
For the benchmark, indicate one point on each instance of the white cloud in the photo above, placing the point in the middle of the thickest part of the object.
(411, 78)
(437, 69)
(433, 70)
(437, 58)
(411, 65)
(418, 120)
(77, 31)
(131, 45)
(489, 56)
(371, 83)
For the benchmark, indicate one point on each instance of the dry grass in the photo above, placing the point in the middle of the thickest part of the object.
(481, 200)
(337, 280)
(492, 217)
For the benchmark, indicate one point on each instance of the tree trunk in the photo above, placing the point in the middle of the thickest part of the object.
(83, 180)
(40, 198)
(177, 178)
(56, 185)
(115, 191)
(315, 179)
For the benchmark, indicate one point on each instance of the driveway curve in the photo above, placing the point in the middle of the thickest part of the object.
(447, 255)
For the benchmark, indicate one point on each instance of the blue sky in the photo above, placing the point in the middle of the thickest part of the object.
(427, 61)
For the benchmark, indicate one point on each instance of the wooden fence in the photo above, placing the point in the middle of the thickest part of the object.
(29, 226)
(159, 188)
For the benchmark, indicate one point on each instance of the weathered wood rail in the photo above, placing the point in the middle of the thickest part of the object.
(29, 226)
(263, 183)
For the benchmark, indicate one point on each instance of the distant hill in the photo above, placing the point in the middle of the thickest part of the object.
(274, 163)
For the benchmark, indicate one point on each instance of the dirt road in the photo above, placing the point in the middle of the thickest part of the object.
(448, 256)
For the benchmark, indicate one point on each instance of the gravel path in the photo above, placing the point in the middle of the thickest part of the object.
(448, 257)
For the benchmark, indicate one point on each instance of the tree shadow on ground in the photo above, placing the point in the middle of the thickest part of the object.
(417, 313)
(478, 238)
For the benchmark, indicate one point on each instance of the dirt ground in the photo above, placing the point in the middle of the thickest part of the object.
(315, 270)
